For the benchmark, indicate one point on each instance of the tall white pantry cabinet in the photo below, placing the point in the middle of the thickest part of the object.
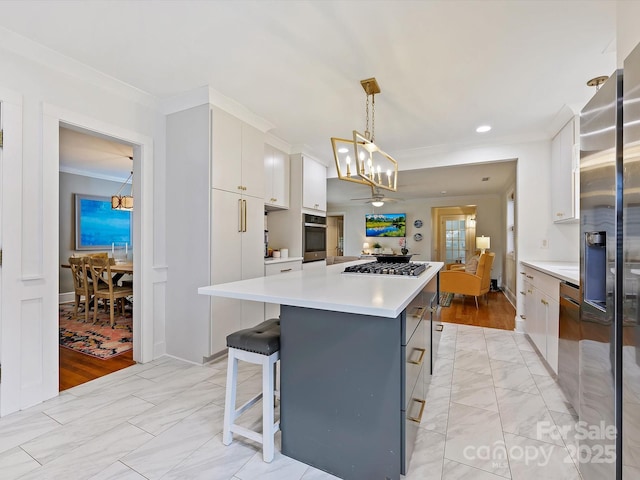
(215, 226)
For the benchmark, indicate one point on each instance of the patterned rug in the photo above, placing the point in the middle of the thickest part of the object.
(99, 340)
(445, 299)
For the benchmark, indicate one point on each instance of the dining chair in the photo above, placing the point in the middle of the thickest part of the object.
(104, 288)
(81, 285)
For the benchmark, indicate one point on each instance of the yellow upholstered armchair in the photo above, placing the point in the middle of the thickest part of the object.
(465, 283)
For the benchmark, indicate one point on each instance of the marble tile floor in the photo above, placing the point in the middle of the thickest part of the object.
(487, 399)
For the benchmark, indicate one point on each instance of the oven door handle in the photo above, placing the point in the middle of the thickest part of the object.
(315, 225)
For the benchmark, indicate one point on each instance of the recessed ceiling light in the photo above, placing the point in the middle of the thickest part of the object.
(443, 192)
(483, 128)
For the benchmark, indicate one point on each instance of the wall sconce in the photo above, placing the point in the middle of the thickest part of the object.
(483, 243)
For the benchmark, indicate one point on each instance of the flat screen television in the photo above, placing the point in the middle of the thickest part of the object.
(385, 224)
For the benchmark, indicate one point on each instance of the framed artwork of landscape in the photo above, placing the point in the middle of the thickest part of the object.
(98, 227)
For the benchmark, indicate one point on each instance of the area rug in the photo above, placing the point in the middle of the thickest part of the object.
(99, 340)
(445, 299)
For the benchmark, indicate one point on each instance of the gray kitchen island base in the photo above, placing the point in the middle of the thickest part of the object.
(342, 378)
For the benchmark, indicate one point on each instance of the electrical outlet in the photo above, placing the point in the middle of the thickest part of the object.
(544, 243)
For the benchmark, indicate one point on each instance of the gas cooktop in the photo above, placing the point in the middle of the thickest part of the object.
(410, 269)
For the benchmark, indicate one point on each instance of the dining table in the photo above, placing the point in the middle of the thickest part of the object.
(118, 270)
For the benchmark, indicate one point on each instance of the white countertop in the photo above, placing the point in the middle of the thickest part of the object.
(271, 260)
(329, 289)
(565, 271)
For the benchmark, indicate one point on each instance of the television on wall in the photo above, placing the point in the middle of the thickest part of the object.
(385, 224)
(98, 227)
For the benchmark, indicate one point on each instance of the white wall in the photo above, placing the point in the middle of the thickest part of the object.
(29, 350)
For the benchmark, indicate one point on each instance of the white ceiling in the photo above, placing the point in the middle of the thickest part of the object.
(444, 67)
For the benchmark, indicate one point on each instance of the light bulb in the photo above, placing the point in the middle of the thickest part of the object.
(377, 203)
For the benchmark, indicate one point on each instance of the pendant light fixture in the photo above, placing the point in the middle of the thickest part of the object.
(360, 160)
(123, 202)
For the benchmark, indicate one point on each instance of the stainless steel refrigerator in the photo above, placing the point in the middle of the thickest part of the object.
(609, 359)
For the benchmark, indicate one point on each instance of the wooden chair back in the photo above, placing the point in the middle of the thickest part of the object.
(81, 285)
(103, 286)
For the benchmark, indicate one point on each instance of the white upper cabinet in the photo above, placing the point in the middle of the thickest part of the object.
(314, 185)
(565, 174)
(237, 155)
(276, 178)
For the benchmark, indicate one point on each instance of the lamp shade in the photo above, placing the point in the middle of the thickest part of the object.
(483, 243)
(365, 245)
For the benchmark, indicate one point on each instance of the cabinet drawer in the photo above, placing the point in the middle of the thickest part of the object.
(282, 267)
(545, 283)
(412, 416)
(415, 312)
(416, 355)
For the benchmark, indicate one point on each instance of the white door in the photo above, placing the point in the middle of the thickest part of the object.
(453, 239)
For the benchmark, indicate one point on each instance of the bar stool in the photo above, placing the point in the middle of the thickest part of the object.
(259, 345)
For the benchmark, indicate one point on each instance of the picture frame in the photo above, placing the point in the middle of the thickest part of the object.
(98, 226)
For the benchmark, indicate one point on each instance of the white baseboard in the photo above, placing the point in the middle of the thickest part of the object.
(66, 297)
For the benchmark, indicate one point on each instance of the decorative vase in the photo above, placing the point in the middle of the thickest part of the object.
(404, 251)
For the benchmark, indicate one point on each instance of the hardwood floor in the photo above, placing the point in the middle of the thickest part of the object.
(77, 368)
(497, 313)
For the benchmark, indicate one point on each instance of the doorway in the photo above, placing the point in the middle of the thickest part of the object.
(91, 170)
(454, 234)
(335, 236)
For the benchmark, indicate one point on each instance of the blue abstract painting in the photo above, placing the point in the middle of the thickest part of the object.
(98, 225)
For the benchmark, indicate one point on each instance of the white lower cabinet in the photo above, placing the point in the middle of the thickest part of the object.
(272, 310)
(542, 312)
(237, 233)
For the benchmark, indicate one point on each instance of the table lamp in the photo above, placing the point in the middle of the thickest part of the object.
(483, 243)
(365, 247)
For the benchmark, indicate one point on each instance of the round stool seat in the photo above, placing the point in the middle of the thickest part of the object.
(264, 338)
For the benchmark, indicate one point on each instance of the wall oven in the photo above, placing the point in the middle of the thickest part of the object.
(314, 238)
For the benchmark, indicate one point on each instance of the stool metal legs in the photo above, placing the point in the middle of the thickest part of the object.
(269, 427)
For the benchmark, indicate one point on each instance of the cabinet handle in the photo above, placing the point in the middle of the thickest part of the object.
(523, 293)
(544, 302)
(530, 276)
(422, 403)
(273, 200)
(239, 214)
(419, 361)
(522, 273)
(559, 214)
(418, 312)
(239, 187)
(286, 270)
(244, 215)
(530, 291)
(524, 317)
(439, 327)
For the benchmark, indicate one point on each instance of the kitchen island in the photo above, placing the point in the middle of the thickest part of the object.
(353, 348)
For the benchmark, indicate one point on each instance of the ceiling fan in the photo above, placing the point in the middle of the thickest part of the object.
(377, 198)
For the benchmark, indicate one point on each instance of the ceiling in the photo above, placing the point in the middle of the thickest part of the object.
(454, 181)
(444, 67)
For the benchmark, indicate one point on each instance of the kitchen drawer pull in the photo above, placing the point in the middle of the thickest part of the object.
(418, 419)
(418, 312)
(419, 361)
(286, 270)
(544, 302)
(530, 276)
(523, 293)
(524, 317)
(439, 328)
